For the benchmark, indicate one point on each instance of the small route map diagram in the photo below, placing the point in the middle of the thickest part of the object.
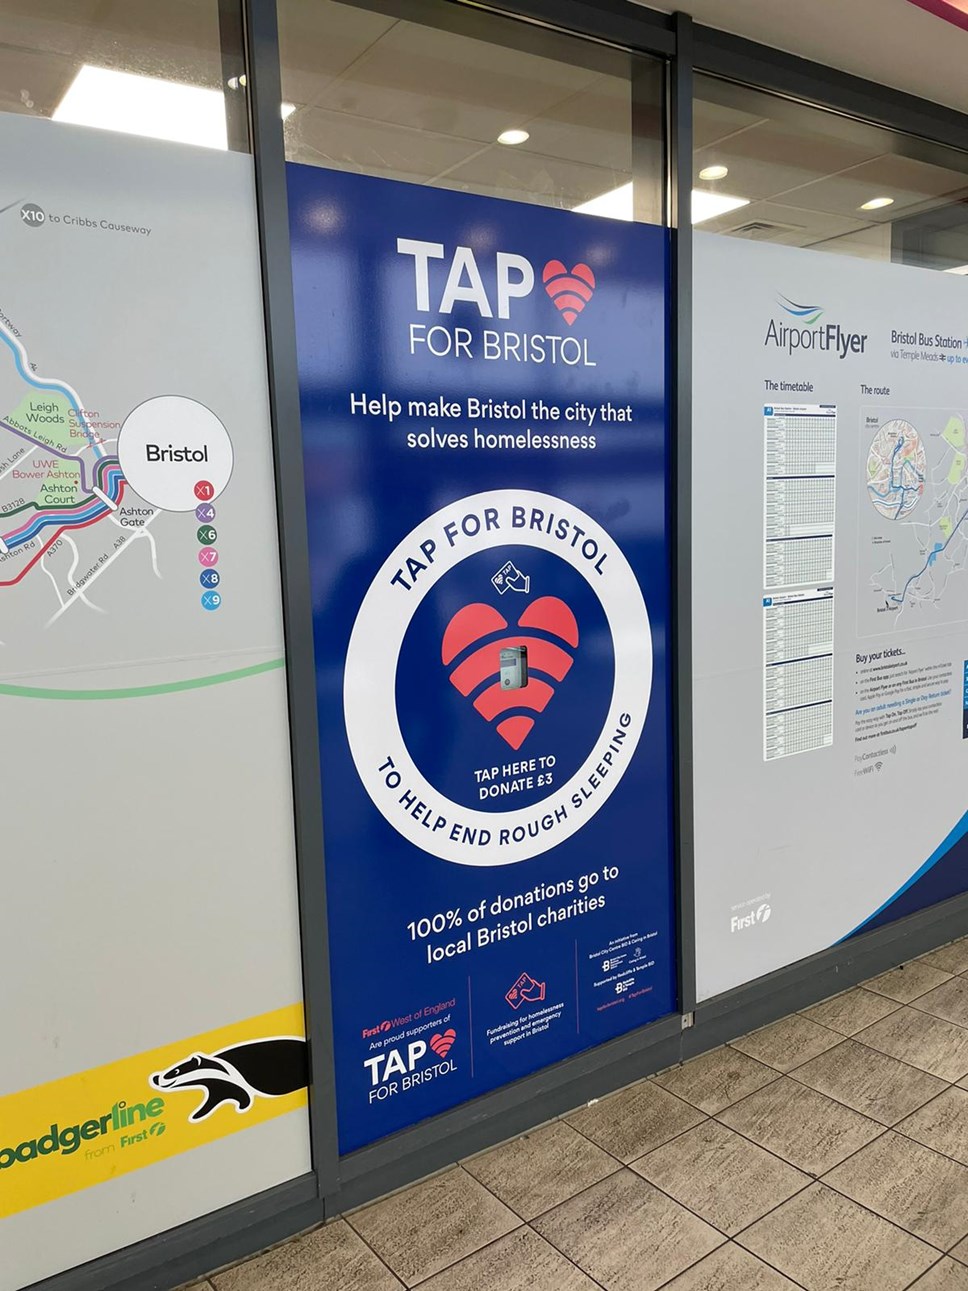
(913, 535)
(137, 509)
(895, 470)
(58, 476)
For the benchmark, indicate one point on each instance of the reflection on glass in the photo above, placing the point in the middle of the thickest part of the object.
(472, 102)
(805, 177)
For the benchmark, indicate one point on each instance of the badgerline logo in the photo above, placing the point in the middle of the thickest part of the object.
(67, 1140)
(491, 290)
(740, 922)
(804, 333)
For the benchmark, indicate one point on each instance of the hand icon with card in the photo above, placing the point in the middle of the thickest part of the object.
(510, 579)
(525, 991)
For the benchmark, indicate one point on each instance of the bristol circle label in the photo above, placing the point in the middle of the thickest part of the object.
(498, 677)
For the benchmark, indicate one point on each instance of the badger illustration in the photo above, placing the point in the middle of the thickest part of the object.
(267, 1068)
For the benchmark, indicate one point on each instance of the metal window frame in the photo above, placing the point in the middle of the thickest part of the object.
(337, 1184)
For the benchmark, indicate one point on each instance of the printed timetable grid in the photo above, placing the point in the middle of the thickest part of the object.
(798, 677)
(799, 494)
(799, 513)
(799, 562)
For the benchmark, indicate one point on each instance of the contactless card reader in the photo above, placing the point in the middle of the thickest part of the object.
(514, 667)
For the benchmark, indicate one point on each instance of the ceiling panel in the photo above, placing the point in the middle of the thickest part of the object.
(594, 126)
(323, 138)
(522, 176)
(912, 184)
(436, 80)
(712, 122)
(794, 226)
(33, 83)
(317, 43)
(889, 41)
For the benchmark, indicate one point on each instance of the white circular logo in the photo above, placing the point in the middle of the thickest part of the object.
(170, 445)
(415, 809)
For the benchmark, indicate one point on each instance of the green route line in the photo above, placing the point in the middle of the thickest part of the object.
(137, 692)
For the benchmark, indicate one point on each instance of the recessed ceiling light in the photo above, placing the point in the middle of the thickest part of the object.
(512, 137)
(617, 204)
(959, 268)
(144, 105)
(714, 172)
(877, 203)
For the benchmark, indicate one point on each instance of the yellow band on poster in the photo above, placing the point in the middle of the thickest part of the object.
(84, 1129)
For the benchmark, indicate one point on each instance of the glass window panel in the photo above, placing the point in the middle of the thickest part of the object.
(803, 176)
(428, 102)
(166, 70)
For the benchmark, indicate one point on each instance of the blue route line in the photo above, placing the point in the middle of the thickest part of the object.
(905, 489)
(939, 547)
(39, 383)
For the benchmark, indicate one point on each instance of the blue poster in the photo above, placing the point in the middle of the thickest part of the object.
(484, 417)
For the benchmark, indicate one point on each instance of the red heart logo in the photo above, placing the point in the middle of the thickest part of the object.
(571, 290)
(479, 669)
(443, 1042)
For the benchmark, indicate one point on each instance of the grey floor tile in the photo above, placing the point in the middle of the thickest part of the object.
(922, 1041)
(908, 981)
(942, 1124)
(714, 1080)
(627, 1235)
(635, 1120)
(910, 1185)
(951, 959)
(332, 1256)
(851, 1012)
(823, 1240)
(948, 1001)
(433, 1225)
(809, 1130)
(870, 1082)
(542, 1169)
(787, 1043)
(522, 1261)
(725, 1179)
(730, 1268)
(946, 1275)
(960, 1252)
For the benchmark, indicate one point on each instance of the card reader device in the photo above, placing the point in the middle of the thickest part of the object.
(514, 667)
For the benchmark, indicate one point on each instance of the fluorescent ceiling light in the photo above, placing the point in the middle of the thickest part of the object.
(960, 269)
(714, 172)
(512, 137)
(617, 204)
(706, 206)
(144, 105)
(877, 203)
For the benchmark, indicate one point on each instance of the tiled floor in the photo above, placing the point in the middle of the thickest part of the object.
(828, 1152)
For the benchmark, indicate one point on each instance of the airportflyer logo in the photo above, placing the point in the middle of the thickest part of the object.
(799, 330)
(807, 314)
(84, 1129)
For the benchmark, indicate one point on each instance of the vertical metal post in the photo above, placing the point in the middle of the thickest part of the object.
(265, 98)
(680, 194)
(231, 47)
